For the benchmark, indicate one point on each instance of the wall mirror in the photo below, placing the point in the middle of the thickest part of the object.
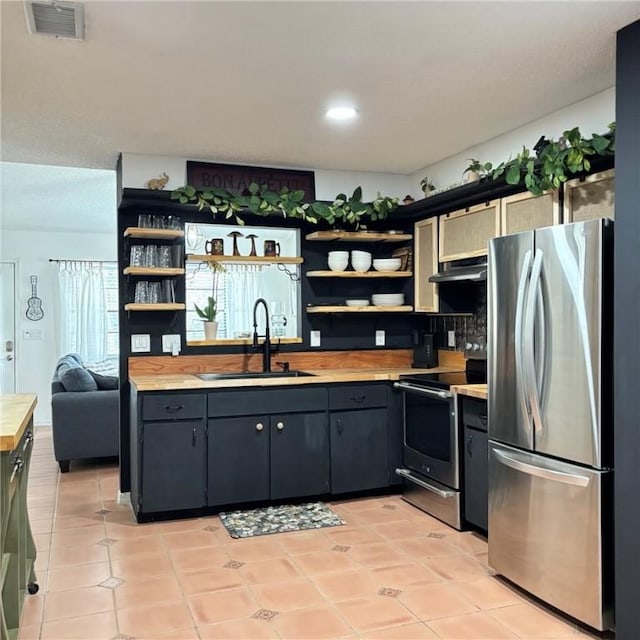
(220, 264)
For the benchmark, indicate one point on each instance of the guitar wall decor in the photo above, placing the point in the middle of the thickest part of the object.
(34, 304)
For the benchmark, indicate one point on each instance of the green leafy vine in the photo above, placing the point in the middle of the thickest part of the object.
(344, 210)
(552, 162)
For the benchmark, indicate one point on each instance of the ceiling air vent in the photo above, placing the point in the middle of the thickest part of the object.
(59, 19)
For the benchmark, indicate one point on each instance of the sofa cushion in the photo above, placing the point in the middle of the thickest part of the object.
(105, 383)
(73, 376)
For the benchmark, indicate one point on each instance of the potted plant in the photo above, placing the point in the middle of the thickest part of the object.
(208, 314)
(476, 170)
(427, 186)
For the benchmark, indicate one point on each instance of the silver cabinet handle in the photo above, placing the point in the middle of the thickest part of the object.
(547, 474)
(17, 465)
(280, 426)
(412, 388)
(259, 426)
(405, 473)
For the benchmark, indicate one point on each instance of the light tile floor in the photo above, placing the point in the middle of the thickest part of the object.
(390, 572)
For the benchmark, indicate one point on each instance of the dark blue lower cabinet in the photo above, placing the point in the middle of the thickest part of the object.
(476, 477)
(299, 455)
(238, 460)
(173, 471)
(359, 450)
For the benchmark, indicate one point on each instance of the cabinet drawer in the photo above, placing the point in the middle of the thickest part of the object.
(359, 396)
(474, 413)
(176, 406)
(245, 402)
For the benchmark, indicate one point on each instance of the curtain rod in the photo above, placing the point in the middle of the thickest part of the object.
(78, 260)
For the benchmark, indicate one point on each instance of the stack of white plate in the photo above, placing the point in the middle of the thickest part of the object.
(387, 299)
(357, 302)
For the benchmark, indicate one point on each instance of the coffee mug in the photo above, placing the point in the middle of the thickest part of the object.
(214, 247)
(271, 248)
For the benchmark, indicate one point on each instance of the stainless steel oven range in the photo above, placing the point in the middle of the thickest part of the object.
(431, 442)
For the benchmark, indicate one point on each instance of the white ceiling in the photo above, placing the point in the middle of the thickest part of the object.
(248, 82)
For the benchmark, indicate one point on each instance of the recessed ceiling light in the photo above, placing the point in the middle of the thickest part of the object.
(341, 113)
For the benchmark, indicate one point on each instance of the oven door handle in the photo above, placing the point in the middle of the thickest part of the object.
(412, 388)
(405, 473)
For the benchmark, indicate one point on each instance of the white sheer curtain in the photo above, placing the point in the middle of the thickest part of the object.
(83, 310)
(242, 288)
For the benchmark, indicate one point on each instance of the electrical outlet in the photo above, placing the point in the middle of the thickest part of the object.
(171, 344)
(380, 338)
(140, 343)
(314, 339)
(451, 338)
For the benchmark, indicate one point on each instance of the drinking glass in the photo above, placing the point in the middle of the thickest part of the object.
(142, 292)
(154, 292)
(168, 291)
(137, 255)
(159, 222)
(164, 256)
(173, 222)
(151, 255)
(145, 220)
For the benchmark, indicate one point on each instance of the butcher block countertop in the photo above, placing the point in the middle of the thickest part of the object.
(180, 381)
(473, 390)
(15, 414)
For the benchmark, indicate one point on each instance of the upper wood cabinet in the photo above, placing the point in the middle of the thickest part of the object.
(589, 198)
(465, 234)
(524, 212)
(426, 264)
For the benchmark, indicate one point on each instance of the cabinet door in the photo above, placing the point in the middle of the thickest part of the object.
(238, 460)
(591, 198)
(359, 450)
(299, 455)
(426, 264)
(476, 477)
(465, 234)
(525, 212)
(173, 466)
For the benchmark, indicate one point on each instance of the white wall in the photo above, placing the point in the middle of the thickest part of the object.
(137, 169)
(31, 250)
(592, 115)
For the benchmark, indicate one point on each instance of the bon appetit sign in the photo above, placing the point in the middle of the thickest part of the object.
(237, 178)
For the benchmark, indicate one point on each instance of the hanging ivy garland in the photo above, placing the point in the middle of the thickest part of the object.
(551, 162)
(258, 201)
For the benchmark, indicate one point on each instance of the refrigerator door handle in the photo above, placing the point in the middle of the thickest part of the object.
(546, 474)
(541, 341)
(529, 340)
(519, 342)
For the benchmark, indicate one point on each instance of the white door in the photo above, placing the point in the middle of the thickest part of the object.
(7, 328)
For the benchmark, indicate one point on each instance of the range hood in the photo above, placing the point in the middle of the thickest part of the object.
(453, 272)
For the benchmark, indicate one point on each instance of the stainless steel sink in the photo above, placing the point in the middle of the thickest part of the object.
(252, 374)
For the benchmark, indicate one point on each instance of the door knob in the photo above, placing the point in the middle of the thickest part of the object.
(259, 426)
(280, 426)
(7, 357)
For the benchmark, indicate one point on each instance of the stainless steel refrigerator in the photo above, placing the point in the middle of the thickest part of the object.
(550, 415)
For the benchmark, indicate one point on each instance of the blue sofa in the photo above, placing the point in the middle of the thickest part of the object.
(85, 409)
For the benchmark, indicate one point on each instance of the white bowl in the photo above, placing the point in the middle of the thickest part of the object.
(361, 266)
(387, 264)
(339, 254)
(357, 303)
(360, 254)
(338, 264)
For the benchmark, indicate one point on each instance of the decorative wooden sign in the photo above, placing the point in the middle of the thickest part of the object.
(237, 178)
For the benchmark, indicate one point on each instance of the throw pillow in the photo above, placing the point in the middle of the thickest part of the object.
(76, 379)
(105, 383)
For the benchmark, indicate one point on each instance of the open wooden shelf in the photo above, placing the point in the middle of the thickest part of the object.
(275, 340)
(159, 306)
(359, 274)
(151, 234)
(358, 236)
(245, 259)
(368, 309)
(153, 271)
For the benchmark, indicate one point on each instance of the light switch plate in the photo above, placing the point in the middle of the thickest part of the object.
(171, 343)
(380, 338)
(314, 340)
(140, 343)
(451, 338)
